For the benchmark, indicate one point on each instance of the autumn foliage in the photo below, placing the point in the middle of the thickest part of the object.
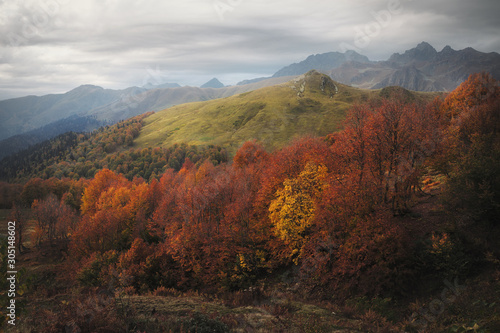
(473, 149)
(224, 227)
(326, 207)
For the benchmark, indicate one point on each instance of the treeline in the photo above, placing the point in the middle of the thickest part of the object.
(329, 209)
(71, 124)
(34, 160)
(74, 156)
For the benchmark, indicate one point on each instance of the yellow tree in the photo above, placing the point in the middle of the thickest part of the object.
(292, 211)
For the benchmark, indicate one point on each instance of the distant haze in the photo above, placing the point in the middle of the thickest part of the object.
(52, 46)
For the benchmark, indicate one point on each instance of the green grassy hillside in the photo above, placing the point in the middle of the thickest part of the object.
(311, 104)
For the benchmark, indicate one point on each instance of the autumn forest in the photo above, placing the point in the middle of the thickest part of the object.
(366, 223)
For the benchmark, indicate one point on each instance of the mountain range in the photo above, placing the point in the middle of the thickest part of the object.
(22, 119)
(422, 68)
(23, 114)
(213, 83)
(322, 62)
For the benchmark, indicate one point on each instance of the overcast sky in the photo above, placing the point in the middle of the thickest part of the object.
(53, 46)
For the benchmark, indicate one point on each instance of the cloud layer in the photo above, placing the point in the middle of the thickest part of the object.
(52, 46)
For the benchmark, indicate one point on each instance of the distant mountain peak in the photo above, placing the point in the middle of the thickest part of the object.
(213, 83)
(86, 87)
(353, 55)
(447, 49)
(424, 46)
(422, 52)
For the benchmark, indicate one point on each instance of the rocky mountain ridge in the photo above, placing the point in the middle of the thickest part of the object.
(422, 68)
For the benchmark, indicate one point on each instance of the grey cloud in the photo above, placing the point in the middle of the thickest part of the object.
(115, 43)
